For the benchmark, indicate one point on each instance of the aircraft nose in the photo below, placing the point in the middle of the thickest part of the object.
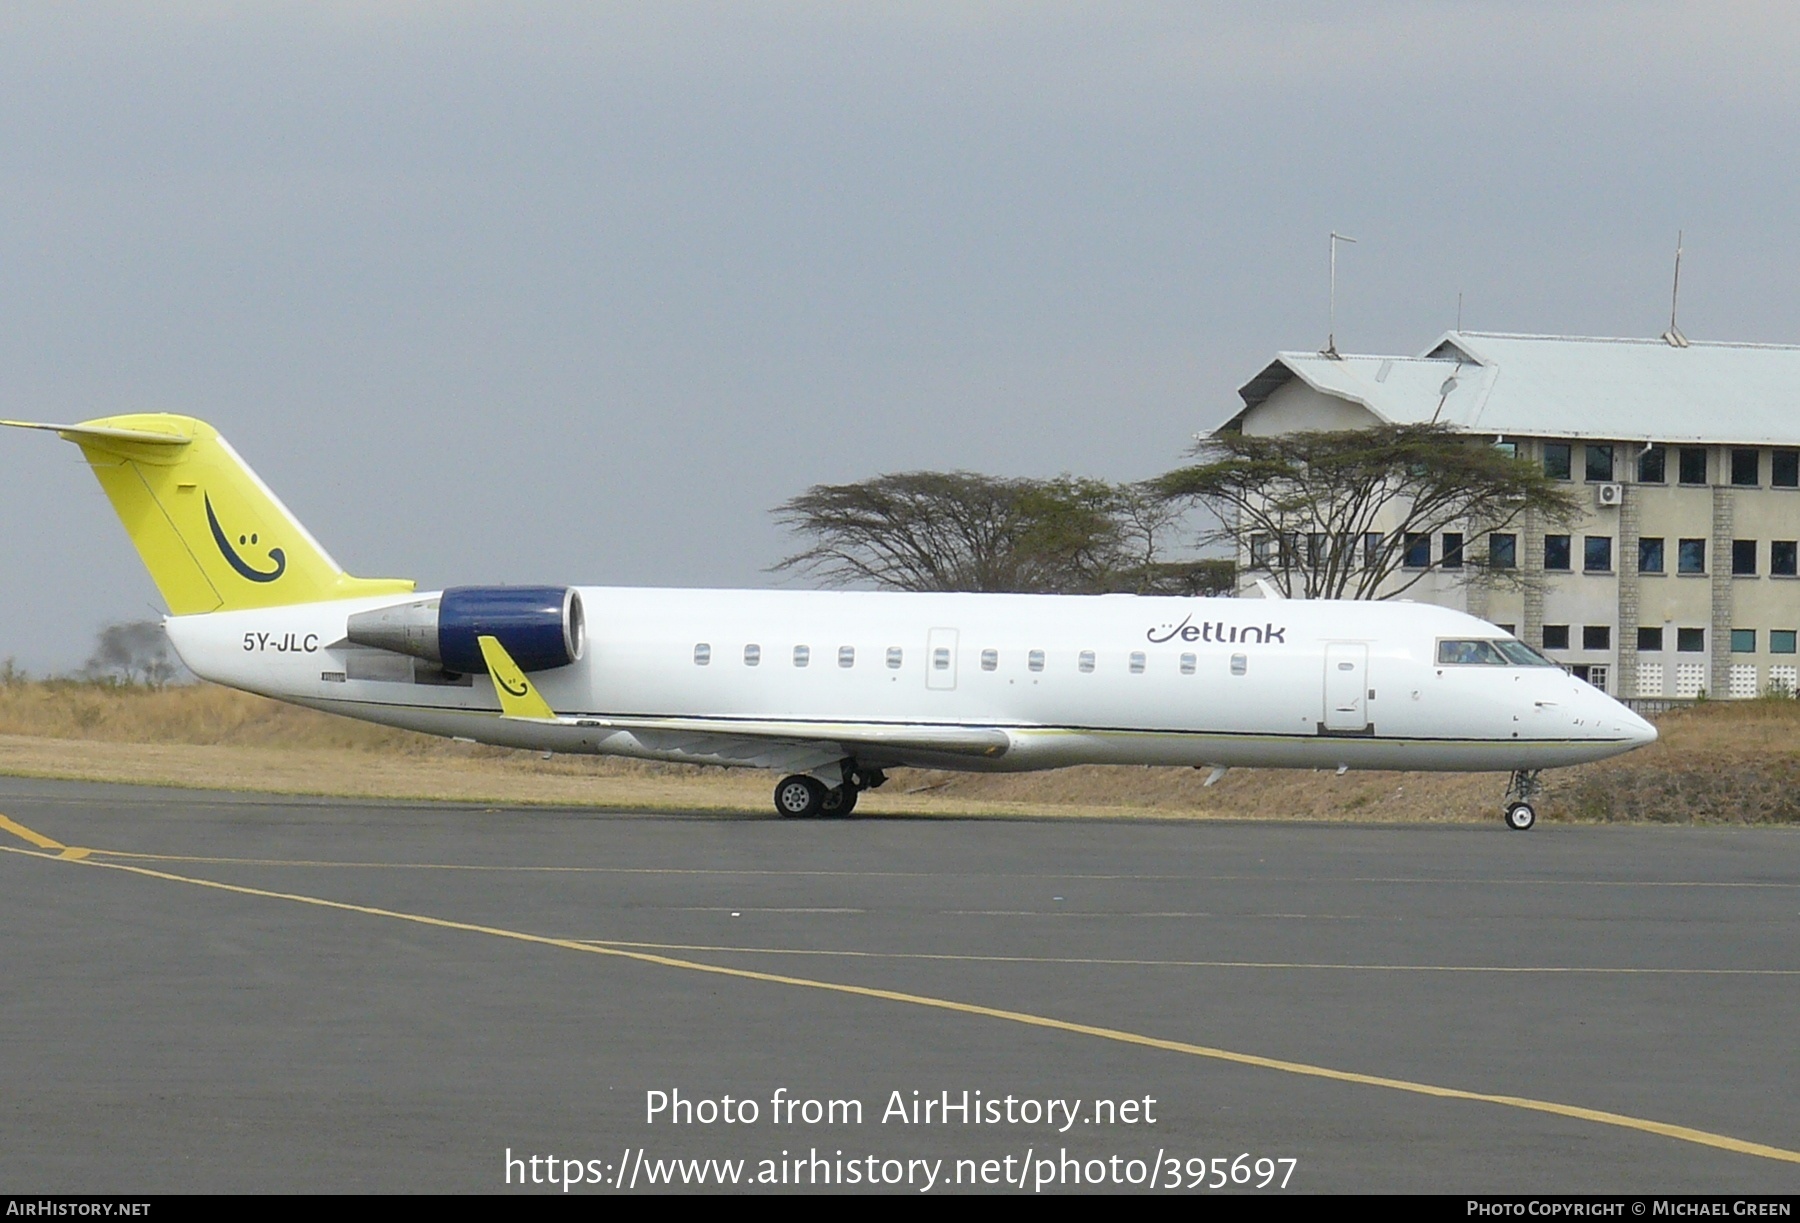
(1641, 732)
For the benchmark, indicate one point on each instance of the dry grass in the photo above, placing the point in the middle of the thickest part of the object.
(1735, 762)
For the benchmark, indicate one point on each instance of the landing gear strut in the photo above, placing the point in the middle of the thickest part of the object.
(804, 797)
(1520, 791)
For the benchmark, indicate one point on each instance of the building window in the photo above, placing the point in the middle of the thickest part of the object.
(1556, 553)
(702, 654)
(1187, 664)
(752, 655)
(1746, 468)
(1650, 640)
(1690, 640)
(1653, 466)
(1503, 551)
(1556, 460)
(1596, 554)
(1453, 546)
(1781, 557)
(1035, 660)
(1137, 662)
(1262, 552)
(1691, 556)
(1650, 555)
(1084, 661)
(802, 655)
(1599, 464)
(1316, 544)
(1743, 558)
(1781, 641)
(990, 659)
(1556, 636)
(1784, 468)
(1372, 550)
(1693, 465)
(1418, 551)
(895, 656)
(846, 656)
(1743, 641)
(1596, 637)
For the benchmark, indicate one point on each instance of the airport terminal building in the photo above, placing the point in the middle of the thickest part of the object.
(1679, 577)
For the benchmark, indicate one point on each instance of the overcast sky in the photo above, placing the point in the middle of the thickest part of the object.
(576, 293)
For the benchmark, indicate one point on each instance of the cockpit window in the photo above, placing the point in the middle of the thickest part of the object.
(1522, 655)
(1490, 654)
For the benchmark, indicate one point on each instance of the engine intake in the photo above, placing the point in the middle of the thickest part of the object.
(542, 627)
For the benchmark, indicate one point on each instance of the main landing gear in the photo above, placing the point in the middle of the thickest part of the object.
(1524, 786)
(804, 797)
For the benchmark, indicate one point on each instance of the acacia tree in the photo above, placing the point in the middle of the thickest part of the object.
(1333, 515)
(959, 530)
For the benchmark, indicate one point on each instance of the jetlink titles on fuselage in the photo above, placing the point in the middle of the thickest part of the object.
(830, 689)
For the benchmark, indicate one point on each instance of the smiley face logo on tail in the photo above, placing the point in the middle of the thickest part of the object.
(521, 690)
(237, 562)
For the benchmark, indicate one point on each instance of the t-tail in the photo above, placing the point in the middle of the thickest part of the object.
(211, 533)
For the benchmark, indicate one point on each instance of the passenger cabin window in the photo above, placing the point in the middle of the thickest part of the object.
(846, 656)
(752, 655)
(1137, 662)
(1187, 664)
(1035, 660)
(1085, 661)
(990, 659)
(940, 659)
(895, 656)
(702, 654)
(1239, 664)
(802, 655)
(1653, 466)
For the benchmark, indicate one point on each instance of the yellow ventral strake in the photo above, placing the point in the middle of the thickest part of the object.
(518, 696)
(211, 533)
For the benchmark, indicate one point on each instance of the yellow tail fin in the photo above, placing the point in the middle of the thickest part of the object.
(212, 535)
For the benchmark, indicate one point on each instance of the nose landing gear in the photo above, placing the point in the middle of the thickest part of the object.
(1520, 791)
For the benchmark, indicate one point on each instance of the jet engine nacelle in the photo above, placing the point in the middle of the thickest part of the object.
(541, 627)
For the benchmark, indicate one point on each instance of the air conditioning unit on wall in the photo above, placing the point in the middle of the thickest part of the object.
(1612, 495)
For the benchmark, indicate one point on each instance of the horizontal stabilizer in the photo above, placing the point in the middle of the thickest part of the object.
(72, 432)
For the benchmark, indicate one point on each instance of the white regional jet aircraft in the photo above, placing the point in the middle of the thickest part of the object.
(831, 688)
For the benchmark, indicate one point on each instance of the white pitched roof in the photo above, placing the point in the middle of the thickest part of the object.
(1566, 386)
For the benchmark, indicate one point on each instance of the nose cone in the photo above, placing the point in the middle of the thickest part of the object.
(1640, 732)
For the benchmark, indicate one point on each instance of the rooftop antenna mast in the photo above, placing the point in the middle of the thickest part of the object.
(1330, 349)
(1673, 335)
